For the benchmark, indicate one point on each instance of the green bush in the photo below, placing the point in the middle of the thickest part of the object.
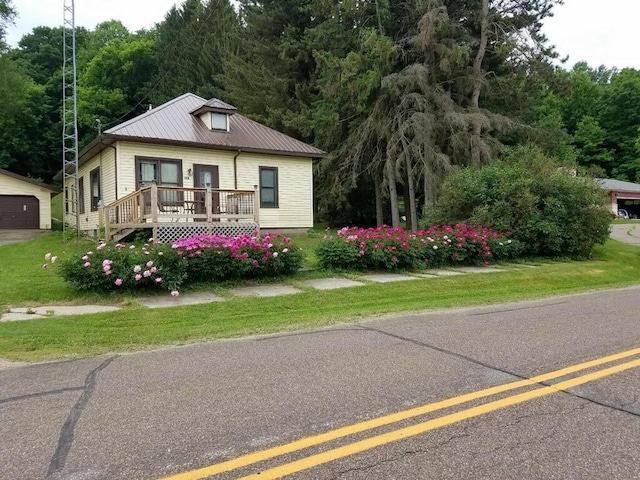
(526, 194)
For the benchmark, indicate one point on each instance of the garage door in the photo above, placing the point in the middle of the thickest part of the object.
(19, 211)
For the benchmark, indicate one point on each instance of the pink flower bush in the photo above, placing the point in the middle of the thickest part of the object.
(385, 247)
(217, 257)
(204, 258)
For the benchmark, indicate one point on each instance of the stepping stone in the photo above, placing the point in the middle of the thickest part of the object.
(17, 316)
(331, 283)
(480, 269)
(446, 273)
(183, 299)
(49, 310)
(387, 277)
(425, 275)
(265, 291)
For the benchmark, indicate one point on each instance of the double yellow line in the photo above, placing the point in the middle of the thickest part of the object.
(402, 433)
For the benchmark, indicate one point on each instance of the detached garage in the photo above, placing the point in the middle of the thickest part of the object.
(24, 203)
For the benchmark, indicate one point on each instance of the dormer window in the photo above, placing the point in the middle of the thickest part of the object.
(215, 114)
(219, 121)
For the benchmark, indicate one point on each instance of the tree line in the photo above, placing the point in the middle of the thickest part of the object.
(399, 92)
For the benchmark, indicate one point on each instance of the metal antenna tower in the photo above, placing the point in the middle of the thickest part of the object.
(70, 118)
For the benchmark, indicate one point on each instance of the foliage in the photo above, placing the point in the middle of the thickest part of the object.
(551, 212)
(217, 257)
(191, 46)
(386, 248)
(122, 268)
(7, 14)
(201, 258)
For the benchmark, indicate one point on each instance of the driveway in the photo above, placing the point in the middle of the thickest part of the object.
(14, 236)
(626, 233)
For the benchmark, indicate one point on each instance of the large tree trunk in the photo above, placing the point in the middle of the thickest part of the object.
(477, 63)
(393, 193)
(412, 214)
(377, 185)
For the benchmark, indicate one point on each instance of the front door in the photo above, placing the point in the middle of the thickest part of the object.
(206, 176)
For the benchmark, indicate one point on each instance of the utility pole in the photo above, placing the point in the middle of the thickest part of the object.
(71, 190)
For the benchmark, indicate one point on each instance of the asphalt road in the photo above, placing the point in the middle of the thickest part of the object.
(158, 414)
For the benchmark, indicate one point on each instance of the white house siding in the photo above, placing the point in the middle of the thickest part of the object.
(127, 152)
(295, 189)
(89, 220)
(15, 186)
(295, 177)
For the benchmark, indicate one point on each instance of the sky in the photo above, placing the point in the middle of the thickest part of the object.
(600, 32)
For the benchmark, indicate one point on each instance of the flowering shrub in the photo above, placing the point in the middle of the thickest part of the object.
(390, 248)
(201, 258)
(122, 267)
(218, 257)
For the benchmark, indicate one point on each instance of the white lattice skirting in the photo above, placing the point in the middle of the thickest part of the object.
(173, 232)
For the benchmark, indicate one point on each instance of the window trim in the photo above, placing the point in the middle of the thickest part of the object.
(82, 207)
(226, 121)
(276, 187)
(157, 161)
(94, 175)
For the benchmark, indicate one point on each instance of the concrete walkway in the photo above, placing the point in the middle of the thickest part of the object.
(272, 290)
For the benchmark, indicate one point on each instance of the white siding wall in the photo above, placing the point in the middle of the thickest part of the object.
(295, 177)
(89, 220)
(295, 189)
(15, 186)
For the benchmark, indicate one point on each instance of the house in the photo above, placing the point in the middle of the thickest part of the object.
(623, 195)
(193, 165)
(24, 203)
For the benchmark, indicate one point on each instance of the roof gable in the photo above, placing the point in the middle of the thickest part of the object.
(174, 122)
(29, 180)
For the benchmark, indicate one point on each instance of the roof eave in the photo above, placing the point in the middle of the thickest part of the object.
(231, 148)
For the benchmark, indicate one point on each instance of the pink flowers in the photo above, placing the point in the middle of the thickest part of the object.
(175, 293)
(118, 282)
(386, 247)
(138, 277)
(137, 269)
(87, 264)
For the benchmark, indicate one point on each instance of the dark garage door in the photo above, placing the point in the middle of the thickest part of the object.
(19, 211)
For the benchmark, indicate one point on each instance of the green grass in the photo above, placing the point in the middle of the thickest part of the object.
(135, 328)
(56, 207)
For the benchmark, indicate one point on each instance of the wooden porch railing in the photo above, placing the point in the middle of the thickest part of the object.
(153, 205)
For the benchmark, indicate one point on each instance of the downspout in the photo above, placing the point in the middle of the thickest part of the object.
(115, 168)
(235, 169)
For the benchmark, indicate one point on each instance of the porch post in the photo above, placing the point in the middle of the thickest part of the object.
(154, 203)
(256, 207)
(208, 204)
(107, 230)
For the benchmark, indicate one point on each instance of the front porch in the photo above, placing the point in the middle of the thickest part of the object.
(179, 212)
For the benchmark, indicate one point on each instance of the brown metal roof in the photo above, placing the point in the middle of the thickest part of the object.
(173, 123)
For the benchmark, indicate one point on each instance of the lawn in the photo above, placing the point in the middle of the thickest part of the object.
(137, 328)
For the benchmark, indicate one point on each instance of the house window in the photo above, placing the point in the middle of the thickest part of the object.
(81, 195)
(219, 121)
(164, 172)
(95, 189)
(268, 187)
